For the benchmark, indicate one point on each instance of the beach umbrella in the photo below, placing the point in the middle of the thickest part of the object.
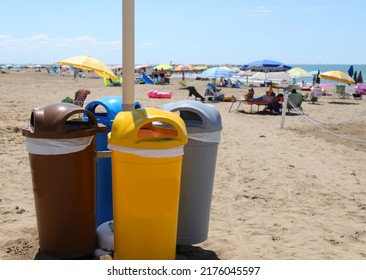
(299, 72)
(350, 71)
(216, 72)
(337, 76)
(163, 66)
(184, 67)
(246, 73)
(359, 78)
(273, 76)
(266, 64)
(355, 76)
(89, 63)
(317, 79)
(141, 66)
(117, 67)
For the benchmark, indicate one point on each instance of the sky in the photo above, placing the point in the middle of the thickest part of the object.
(189, 31)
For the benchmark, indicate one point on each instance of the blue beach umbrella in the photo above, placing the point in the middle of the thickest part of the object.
(350, 71)
(266, 64)
(216, 72)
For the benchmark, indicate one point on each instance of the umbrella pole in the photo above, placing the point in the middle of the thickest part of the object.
(128, 84)
(265, 82)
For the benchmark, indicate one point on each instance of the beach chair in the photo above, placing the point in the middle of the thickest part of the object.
(193, 92)
(316, 92)
(359, 90)
(182, 84)
(250, 102)
(80, 97)
(341, 91)
(212, 93)
(294, 102)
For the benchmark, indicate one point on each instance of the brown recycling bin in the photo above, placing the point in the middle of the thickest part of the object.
(62, 156)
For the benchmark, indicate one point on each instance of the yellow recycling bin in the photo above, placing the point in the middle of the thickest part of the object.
(147, 149)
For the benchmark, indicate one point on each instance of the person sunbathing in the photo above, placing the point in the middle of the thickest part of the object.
(250, 94)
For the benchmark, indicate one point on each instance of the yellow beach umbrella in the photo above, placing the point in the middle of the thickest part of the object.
(89, 63)
(163, 66)
(299, 72)
(337, 76)
(296, 69)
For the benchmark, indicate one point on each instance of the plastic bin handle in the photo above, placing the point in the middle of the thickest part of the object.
(82, 127)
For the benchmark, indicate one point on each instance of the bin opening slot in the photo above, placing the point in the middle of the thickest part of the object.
(75, 121)
(32, 121)
(98, 110)
(190, 118)
(160, 131)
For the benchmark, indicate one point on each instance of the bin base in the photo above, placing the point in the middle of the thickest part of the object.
(192, 240)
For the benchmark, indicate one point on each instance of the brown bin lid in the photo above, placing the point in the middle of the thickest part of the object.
(60, 121)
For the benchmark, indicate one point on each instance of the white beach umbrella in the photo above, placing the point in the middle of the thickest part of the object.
(298, 72)
(273, 76)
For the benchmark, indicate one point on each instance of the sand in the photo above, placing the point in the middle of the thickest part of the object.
(291, 193)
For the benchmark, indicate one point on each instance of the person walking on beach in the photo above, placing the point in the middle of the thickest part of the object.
(76, 71)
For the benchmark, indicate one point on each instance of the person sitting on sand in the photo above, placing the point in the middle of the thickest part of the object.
(212, 93)
(237, 84)
(222, 83)
(275, 105)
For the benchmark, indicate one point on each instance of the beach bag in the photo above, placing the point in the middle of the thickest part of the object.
(67, 99)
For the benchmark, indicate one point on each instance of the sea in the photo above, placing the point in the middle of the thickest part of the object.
(329, 67)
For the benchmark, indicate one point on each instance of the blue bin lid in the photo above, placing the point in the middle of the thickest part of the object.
(112, 106)
(198, 117)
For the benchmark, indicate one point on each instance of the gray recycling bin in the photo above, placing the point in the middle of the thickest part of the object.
(61, 149)
(203, 123)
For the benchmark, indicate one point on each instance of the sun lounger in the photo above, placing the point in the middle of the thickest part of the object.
(251, 103)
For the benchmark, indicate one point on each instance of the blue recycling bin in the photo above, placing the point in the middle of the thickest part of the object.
(105, 110)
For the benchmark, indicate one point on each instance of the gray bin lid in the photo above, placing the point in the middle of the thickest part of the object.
(198, 117)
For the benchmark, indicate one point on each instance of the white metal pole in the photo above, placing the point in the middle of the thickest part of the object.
(284, 109)
(128, 56)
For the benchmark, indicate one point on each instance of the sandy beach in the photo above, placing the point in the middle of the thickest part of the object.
(292, 193)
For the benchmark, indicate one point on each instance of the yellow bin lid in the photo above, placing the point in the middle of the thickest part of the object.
(148, 128)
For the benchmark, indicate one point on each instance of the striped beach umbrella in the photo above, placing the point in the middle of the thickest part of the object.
(216, 72)
(184, 67)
